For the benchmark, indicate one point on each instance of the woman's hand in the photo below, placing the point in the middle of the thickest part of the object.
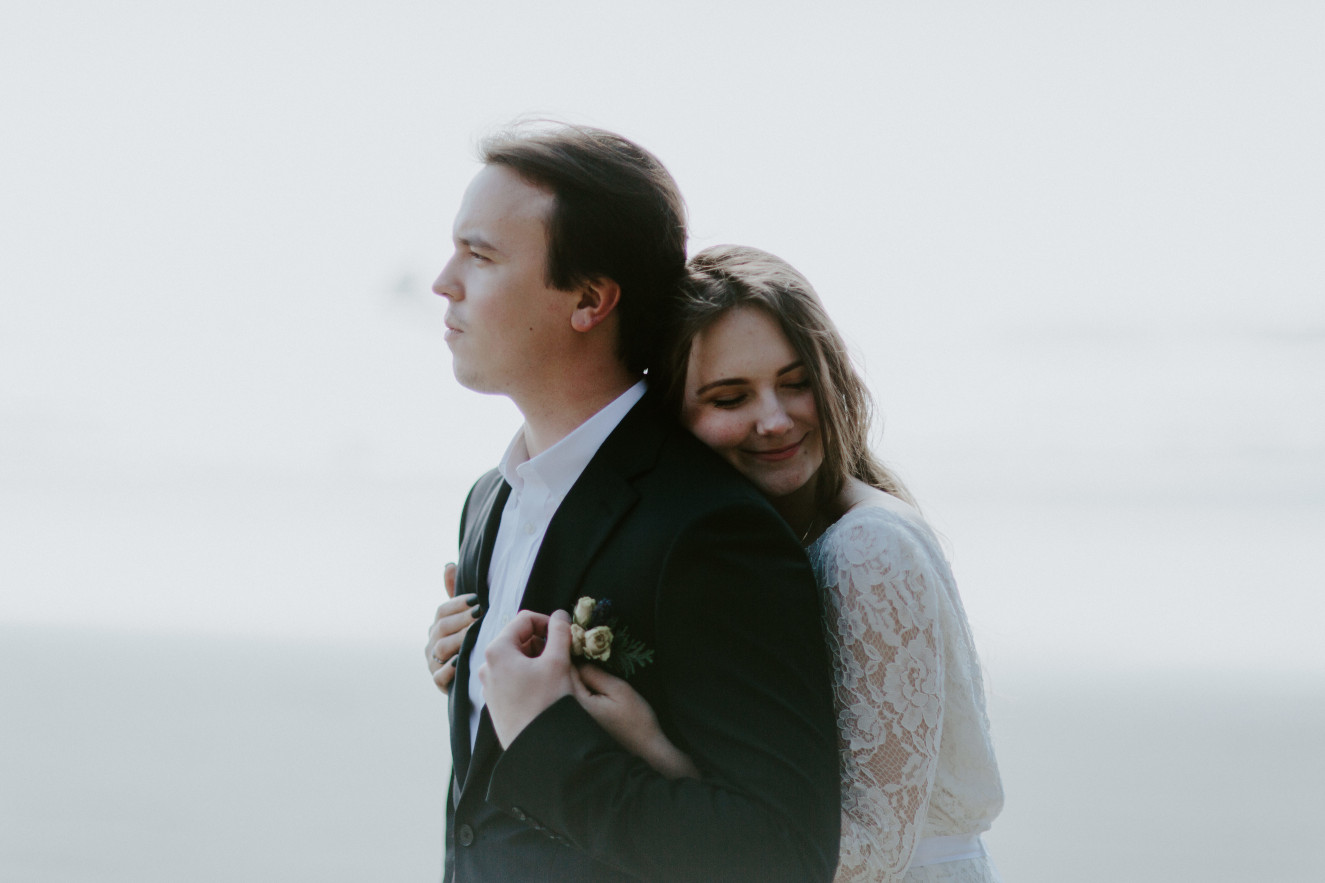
(448, 631)
(526, 669)
(627, 717)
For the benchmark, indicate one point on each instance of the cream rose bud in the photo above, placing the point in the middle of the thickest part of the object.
(584, 612)
(576, 639)
(598, 643)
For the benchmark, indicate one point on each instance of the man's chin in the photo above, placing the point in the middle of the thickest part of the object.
(469, 383)
(473, 382)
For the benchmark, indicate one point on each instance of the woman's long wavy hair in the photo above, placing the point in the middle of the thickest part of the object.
(725, 277)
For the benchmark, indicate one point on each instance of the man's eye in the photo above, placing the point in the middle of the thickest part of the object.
(479, 257)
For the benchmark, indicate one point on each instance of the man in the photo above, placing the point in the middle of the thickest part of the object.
(570, 246)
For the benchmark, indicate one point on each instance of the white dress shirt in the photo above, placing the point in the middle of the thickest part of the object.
(538, 485)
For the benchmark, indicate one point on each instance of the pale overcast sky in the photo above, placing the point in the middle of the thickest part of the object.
(1077, 247)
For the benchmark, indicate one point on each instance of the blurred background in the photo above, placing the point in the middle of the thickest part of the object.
(1077, 249)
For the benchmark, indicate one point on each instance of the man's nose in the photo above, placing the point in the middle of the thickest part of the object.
(446, 285)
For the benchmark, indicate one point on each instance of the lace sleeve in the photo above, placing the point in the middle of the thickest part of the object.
(881, 613)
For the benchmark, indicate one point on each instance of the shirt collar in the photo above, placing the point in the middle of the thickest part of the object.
(558, 468)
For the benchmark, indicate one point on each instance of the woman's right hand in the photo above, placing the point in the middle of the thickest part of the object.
(627, 717)
(453, 619)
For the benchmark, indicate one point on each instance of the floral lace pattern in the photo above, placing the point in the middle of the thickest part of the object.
(916, 754)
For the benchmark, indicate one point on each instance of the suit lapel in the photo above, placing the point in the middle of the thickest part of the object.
(472, 578)
(599, 499)
(476, 547)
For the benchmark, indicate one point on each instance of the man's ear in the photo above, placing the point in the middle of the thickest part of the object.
(598, 298)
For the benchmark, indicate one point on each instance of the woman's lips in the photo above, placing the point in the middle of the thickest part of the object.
(776, 454)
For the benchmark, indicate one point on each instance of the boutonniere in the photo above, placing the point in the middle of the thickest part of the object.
(596, 636)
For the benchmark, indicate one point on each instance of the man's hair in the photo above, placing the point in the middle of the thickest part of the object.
(729, 277)
(616, 213)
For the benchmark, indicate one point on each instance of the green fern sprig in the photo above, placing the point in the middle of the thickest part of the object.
(628, 654)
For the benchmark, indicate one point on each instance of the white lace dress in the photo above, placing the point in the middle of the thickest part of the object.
(917, 761)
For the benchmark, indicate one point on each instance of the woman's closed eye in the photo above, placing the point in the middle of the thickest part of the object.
(731, 401)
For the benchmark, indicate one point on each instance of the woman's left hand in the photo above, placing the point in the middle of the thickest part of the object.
(627, 717)
(447, 634)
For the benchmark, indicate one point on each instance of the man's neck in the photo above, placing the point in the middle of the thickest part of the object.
(549, 418)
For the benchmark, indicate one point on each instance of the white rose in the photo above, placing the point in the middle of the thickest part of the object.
(584, 612)
(576, 640)
(598, 643)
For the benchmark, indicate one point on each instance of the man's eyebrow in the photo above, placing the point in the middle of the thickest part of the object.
(737, 381)
(474, 240)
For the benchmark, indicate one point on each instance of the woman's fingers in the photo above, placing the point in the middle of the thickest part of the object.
(445, 647)
(442, 657)
(447, 633)
(454, 617)
(448, 578)
(579, 687)
(528, 632)
(456, 605)
(599, 681)
(443, 675)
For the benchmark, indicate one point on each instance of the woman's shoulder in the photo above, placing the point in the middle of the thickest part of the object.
(879, 527)
(874, 510)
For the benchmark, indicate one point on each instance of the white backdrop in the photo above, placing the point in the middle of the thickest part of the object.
(1077, 250)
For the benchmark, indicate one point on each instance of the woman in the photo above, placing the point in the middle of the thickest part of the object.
(760, 374)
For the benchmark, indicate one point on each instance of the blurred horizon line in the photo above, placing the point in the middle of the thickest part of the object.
(1182, 473)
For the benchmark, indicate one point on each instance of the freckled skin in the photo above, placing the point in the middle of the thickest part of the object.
(747, 397)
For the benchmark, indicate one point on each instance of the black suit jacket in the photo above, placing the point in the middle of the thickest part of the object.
(704, 572)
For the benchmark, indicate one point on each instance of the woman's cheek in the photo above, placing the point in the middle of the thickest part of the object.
(717, 431)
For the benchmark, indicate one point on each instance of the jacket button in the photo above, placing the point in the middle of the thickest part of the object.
(518, 813)
(465, 835)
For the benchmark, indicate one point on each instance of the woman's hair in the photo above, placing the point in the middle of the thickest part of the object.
(725, 277)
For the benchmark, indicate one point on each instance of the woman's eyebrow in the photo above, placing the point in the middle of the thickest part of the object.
(737, 381)
(726, 381)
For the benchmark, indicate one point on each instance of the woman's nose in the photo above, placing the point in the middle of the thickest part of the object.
(772, 418)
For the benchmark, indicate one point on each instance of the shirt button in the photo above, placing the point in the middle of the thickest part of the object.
(518, 813)
(465, 835)
(529, 530)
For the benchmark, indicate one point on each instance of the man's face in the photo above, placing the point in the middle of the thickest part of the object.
(504, 325)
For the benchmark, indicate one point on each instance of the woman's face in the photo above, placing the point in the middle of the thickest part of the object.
(748, 396)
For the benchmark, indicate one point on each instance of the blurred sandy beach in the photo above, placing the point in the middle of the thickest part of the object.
(147, 758)
(254, 706)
